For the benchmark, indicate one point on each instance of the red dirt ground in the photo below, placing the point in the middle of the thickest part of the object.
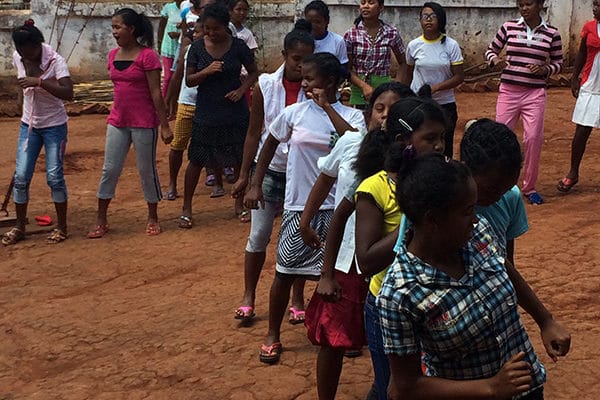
(137, 317)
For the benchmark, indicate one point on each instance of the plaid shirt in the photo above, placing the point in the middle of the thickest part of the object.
(373, 58)
(466, 328)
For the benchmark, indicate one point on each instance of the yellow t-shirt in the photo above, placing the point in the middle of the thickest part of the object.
(383, 190)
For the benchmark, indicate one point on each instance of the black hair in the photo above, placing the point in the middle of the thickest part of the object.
(491, 146)
(27, 35)
(400, 89)
(318, 6)
(360, 18)
(218, 12)
(384, 148)
(327, 65)
(430, 182)
(143, 30)
(232, 3)
(299, 35)
(440, 14)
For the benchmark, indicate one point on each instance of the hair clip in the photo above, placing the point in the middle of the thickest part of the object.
(29, 22)
(405, 125)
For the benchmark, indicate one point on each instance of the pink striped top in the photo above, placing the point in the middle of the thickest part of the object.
(541, 46)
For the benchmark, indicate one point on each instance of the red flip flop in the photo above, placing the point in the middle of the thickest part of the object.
(43, 220)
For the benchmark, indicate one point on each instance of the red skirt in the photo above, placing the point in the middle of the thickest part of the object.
(341, 324)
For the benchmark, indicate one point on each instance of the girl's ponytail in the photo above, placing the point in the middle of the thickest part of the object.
(143, 29)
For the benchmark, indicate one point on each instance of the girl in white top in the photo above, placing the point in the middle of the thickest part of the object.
(311, 129)
(435, 59)
(317, 13)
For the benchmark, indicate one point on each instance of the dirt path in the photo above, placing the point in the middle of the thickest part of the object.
(132, 317)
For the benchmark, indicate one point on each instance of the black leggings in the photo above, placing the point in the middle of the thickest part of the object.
(451, 117)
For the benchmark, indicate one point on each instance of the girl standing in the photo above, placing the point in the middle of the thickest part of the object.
(168, 39)
(370, 44)
(435, 59)
(270, 96)
(533, 53)
(586, 88)
(44, 77)
(311, 129)
(317, 13)
(137, 111)
(221, 116)
(448, 300)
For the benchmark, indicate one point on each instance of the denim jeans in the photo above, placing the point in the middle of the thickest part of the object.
(54, 141)
(381, 366)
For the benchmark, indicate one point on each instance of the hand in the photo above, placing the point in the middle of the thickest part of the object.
(367, 91)
(319, 96)
(513, 378)
(173, 35)
(239, 187)
(501, 62)
(310, 237)
(214, 67)
(28, 82)
(575, 86)
(171, 108)
(539, 70)
(434, 88)
(556, 339)
(329, 289)
(234, 95)
(254, 198)
(166, 134)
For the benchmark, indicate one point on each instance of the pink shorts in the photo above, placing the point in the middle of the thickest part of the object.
(339, 325)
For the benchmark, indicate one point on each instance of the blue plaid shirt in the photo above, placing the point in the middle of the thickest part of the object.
(466, 328)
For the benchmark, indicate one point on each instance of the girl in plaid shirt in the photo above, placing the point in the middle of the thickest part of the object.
(370, 44)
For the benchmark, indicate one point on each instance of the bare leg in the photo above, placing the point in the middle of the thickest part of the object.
(278, 301)
(175, 162)
(298, 294)
(61, 215)
(21, 210)
(253, 265)
(152, 213)
(192, 174)
(329, 369)
(101, 219)
(582, 134)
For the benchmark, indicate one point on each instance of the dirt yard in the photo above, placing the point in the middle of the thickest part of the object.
(137, 317)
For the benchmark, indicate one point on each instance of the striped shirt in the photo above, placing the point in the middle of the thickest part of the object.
(466, 328)
(524, 46)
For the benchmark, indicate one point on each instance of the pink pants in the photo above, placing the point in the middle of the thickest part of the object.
(167, 74)
(516, 101)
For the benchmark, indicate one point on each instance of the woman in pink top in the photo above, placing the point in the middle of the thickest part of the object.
(137, 111)
(44, 77)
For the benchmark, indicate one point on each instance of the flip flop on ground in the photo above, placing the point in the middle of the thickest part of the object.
(217, 192)
(171, 195)
(244, 216)
(153, 229)
(270, 354)
(245, 314)
(566, 184)
(296, 316)
(57, 236)
(185, 222)
(98, 232)
(13, 236)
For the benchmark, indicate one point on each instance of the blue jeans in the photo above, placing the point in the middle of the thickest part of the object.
(54, 140)
(381, 366)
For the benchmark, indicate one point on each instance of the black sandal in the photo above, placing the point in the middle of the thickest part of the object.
(13, 236)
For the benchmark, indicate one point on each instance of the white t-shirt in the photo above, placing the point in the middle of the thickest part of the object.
(334, 44)
(340, 164)
(187, 95)
(310, 135)
(432, 60)
(247, 36)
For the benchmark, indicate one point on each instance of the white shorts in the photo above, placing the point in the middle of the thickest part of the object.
(587, 110)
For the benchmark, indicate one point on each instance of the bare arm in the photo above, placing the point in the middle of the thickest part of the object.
(355, 79)
(162, 24)
(458, 76)
(402, 67)
(255, 129)
(62, 89)
(578, 67)
(317, 196)
(175, 83)
(153, 78)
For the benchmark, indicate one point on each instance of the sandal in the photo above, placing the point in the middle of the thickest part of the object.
(13, 236)
(566, 184)
(57, 236)
(270, 354)
(98, 232)
(217, 192)
(229, 175)
(171, 196)
(245, 313)
(210, 180)
(185, 222)
(244, 216)
(153, 229)
(296, 316)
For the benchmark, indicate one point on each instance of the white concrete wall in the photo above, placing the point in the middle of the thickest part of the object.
(473, 23)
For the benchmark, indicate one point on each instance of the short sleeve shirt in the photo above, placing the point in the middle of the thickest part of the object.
(466, 328)
(132, 103)
(247, 36)
(212, 108)
(334, 44)
(373, 57)
(432, 61)
(382, 188)
(310, 134)
(172, 13)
